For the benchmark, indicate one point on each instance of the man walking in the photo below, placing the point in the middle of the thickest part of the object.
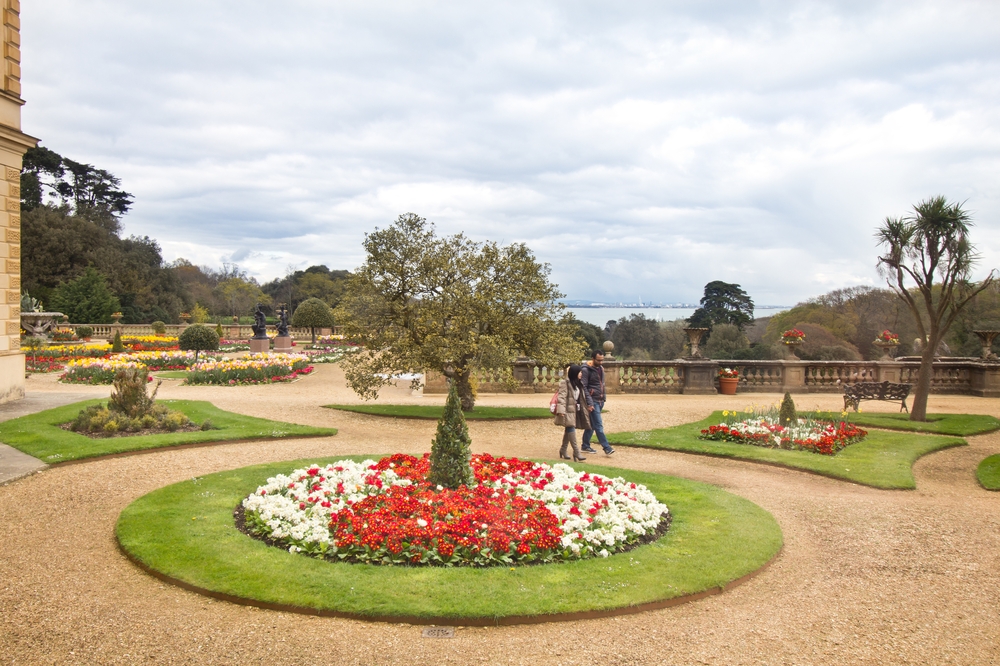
(593, 384)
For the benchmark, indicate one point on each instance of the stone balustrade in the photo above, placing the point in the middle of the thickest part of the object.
(229, 331)
(970, 376)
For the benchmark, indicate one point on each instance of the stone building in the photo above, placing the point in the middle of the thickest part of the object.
(13, 144)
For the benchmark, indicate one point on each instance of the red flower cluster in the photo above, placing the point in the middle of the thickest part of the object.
(833, 438)
(418, 523)
(793, 334)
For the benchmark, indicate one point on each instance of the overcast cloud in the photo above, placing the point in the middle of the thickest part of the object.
(642, 149)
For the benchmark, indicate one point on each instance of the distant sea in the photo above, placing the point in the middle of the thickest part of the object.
(601, 316)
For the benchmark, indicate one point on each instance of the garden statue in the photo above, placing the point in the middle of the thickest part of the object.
(283, 321)
(259, 324)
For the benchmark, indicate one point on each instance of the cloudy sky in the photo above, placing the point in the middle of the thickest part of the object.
(642, 149)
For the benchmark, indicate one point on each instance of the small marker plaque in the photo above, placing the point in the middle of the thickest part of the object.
(438, 632)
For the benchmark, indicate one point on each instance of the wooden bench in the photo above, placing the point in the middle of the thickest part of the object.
(855, 393)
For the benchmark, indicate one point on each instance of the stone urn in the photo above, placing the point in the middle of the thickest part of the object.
(886, 348)
(987, 338)
(694, 337)
(116, 318)
(792, 344)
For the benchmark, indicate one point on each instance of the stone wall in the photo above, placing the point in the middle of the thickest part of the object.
(13, 144)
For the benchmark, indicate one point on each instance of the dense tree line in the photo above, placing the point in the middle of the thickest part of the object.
(75, 259)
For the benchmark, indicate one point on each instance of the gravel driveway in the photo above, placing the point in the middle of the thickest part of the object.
(866, 576)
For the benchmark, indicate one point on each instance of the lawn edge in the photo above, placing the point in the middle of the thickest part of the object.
(187, 445)
(979, 479)
(771, 463)
(434, 418)
(453, 621)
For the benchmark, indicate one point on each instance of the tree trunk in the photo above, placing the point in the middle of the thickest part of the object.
(312, 329)
(918, 412)
(465, 392)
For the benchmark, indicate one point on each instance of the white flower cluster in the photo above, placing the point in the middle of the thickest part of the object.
(595, 513)
(803, 430)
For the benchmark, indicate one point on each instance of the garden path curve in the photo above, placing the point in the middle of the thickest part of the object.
(866, 576)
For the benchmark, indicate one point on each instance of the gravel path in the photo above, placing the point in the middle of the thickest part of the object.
(866, 576)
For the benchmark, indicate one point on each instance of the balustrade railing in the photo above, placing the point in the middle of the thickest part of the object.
(229, 331)
(650, 377)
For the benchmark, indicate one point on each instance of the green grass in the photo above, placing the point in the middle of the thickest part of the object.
(186, 531)
(39, 434)
(883, 460)
(988, 473)
(962, 425)
(434, 412)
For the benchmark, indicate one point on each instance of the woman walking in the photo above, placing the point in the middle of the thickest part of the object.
(571, 411)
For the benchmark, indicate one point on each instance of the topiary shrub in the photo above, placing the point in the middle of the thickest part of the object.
(787, 414)
(313, 313)
(451, 448)
(159, 327)
(218, 330)
(84, 332)
(198, 338)
(116, 346)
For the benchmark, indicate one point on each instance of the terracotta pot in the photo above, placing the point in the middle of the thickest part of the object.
(727, 385)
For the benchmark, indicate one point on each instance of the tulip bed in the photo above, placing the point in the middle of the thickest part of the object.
(262, 368)
(102, 370)
(150, 342)
(826, 438)
(518, 512)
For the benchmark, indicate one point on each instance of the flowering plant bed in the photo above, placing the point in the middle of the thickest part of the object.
(150, 342)
(715, 538)
(102, 370)
(42, 365)
(264, 368)
(329, 353)
(387, 513)
(793, 335)
(805, 435)
(64, 335)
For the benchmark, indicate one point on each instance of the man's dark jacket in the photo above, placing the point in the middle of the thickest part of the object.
(593, 384)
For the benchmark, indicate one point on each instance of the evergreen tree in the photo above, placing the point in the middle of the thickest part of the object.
(787, 414)
(450, 450)
(313, 313)
(117, 347)
(198, 338)
(86, 300)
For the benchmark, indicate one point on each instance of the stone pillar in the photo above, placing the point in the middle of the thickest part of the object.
(13, 144)
(612, 375)
(985, 380)
(793, 377)
(699, 377)
(886, 371)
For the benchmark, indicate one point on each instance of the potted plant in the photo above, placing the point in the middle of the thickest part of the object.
(116, 317)
(885, 341)
(729, 379)
(792, 338)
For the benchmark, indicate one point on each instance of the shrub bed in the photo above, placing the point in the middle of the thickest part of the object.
(262, 368)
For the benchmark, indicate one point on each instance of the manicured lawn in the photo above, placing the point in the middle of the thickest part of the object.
(883, 460)
(39, 434)
(988, 473)
(961, 425)
(186, 531)
(434, 412)
(171, 374)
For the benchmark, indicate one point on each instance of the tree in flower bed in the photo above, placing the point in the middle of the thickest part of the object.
(451, 447)
(198, 338)
(262, 368)
(516, 512)
(763, 428)
(102, 370)
(130, 410)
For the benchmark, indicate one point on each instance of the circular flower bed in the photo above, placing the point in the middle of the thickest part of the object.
(805, 435)
(387, 513)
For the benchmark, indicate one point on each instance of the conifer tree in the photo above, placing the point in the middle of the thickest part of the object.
(450, 450)
(116, 346)
(787, 414)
